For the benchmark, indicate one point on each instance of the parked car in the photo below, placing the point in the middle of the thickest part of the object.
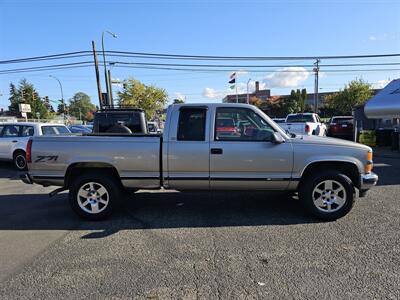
(120, 121)
(14, 138)
(341, 126)
(80, 129)
(304, 124)
(227, 127)
(152, 128)
(98, 170)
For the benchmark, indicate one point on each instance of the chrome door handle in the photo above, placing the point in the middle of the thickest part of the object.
(15, 141)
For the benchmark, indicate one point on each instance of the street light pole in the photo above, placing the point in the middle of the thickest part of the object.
(62, 94)
(105, 66)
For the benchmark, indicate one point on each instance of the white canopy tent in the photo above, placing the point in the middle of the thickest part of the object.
(386, 104)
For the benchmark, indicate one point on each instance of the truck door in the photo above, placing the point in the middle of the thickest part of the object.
(242, 155)
(188, 165)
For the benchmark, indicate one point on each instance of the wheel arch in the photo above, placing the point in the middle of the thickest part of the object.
(80, 168)
(348, 168)
(17, 150)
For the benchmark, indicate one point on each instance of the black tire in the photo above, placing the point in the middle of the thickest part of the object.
(19, 160)
(308, 193)
(112, 187)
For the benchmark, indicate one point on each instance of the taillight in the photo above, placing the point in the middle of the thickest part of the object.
(29, 151)
(307, 128)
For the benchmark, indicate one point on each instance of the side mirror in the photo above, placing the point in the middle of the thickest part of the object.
(277, 138)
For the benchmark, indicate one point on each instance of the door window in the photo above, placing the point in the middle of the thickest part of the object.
(241, 124)
(1, 130)
(27, 131)
(192, 124)
(11, 131)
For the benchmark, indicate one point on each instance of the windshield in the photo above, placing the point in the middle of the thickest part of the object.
(342, 120)
(299, 118)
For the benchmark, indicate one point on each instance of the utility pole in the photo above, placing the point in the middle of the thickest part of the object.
(96, 67)
(110, 89)
(316, 73)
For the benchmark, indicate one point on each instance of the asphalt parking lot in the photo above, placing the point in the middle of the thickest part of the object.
(167, 245)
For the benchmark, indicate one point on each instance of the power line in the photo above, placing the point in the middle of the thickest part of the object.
(192, 57)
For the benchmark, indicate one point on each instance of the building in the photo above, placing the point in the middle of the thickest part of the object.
(242, 98)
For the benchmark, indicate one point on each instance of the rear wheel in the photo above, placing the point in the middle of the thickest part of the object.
(94, 197)
(328, 195)
(19, 160)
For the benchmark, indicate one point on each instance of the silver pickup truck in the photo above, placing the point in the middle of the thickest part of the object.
(203, 147)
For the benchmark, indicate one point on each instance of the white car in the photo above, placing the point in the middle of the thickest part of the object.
(304, 124)
(14, 138)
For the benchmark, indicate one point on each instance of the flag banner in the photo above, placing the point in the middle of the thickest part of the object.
(233, 75)
(232, 87)
(232, 80)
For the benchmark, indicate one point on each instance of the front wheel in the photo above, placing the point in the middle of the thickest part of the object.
(94, 197)
(328, 195)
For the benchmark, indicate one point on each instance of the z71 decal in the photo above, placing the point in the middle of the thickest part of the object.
(41, 158)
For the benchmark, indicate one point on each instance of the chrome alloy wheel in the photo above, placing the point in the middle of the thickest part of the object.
(329, 196)
(93, 197)
(20, 161)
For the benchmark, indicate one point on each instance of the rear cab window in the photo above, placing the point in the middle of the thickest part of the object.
(342, 120)
(115, 122)
(300, 119)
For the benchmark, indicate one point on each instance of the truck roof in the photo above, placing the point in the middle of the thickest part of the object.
(211, 104)
(117, 110)
(31, 124)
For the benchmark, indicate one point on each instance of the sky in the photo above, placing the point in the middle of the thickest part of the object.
(219, 27)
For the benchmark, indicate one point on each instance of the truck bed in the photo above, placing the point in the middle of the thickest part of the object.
(136, 157)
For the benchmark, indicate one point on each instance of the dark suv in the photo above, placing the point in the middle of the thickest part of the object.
(124, 121)
(341, 126)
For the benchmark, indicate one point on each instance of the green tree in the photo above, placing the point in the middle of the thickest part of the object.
(81, 107)
(148, 97)
(26, 93)
(62, 107)
(355, 93)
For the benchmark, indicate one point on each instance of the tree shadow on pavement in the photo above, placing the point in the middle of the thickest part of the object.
(147, 210)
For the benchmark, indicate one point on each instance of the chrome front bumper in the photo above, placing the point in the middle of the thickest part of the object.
(367, 181)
